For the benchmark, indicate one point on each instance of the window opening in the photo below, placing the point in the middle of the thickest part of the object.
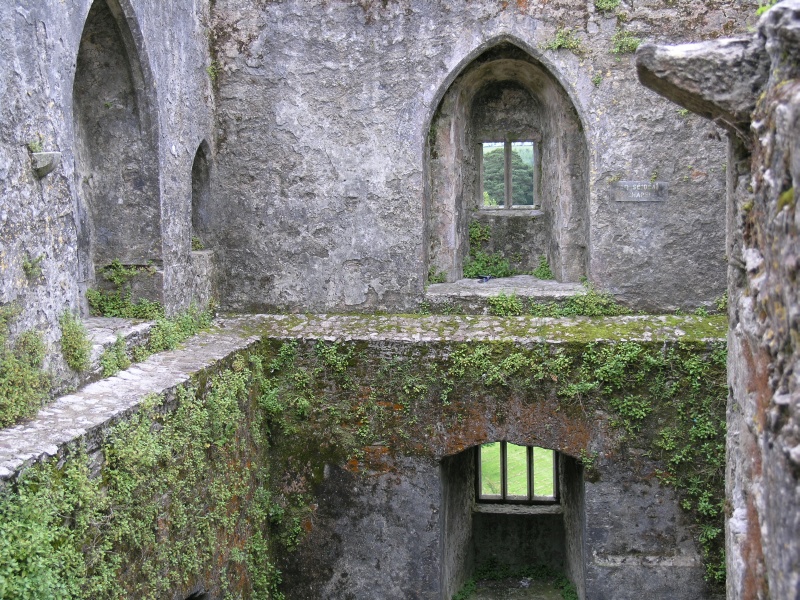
(512, 473)
(508, 174)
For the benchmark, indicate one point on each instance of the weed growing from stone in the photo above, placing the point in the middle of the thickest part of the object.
(75, 345)
(479, 262)
(115, 358)
(597, 79)
(721, 303)
(32, 266)
(590, 303)
(23, 384)
(117, 302)
(197, 244)
(566, 39)
(436, 276)
(606, 5)
(543, 271)
(765, 6)
(624, 42)
(213, 71)
(505, 306)
(36, 144)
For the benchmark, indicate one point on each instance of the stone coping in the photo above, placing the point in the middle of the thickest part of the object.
(88, 411)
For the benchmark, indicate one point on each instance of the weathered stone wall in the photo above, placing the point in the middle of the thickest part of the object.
(325, 109)
(750, 86)
(41, 217)
(335, 450)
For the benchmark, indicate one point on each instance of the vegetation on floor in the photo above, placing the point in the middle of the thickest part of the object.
(75, 345)
(543, 271)
(118, 302)
(24, 386)
(481, 263)
(495, 572)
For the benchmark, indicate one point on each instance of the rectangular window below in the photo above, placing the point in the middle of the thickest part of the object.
(516, 474)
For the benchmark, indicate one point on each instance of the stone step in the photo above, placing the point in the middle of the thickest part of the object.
(471, 296)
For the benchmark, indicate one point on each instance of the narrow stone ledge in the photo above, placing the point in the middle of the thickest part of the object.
(85, 414)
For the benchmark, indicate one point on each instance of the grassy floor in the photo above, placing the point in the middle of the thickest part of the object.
(517, 466)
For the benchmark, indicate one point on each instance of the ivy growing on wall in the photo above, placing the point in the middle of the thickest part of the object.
(193, 489)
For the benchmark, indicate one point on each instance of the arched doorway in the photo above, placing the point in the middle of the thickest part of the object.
(115, 153)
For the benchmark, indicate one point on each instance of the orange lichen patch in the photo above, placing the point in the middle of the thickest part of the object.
(377, 459)
(758, 383)
(754, 584)
(352, 465)
(516, 419)
(307, 525)
(522, 4)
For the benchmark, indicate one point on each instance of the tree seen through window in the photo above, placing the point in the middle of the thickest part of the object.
(521, 171)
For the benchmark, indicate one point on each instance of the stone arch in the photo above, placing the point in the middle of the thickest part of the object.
(452, 165)
(550, 535)
(116, 150)
(201, 192)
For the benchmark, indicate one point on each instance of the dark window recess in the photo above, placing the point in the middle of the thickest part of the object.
(508, 174)
(516, 474)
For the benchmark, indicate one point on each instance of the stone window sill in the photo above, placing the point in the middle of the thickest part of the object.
(517, 211)
(518, 509)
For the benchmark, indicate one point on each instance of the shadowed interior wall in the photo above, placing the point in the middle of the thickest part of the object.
(116, 158)
(570, 473)
(458, 497)
(201, 192)
(518, 540)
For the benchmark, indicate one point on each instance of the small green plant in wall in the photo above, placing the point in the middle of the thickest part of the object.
(75, 345)
(32, 266)
(566, 39)
(36, 144)
(606, 5)
(213, 71)
(624, 42)
(543, 271)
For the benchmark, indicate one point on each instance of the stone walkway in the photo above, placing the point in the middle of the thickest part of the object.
(88, 411)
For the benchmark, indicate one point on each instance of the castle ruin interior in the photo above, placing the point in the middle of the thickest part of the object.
(407, 299)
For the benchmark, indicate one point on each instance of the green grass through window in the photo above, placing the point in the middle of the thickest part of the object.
(517, 485)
